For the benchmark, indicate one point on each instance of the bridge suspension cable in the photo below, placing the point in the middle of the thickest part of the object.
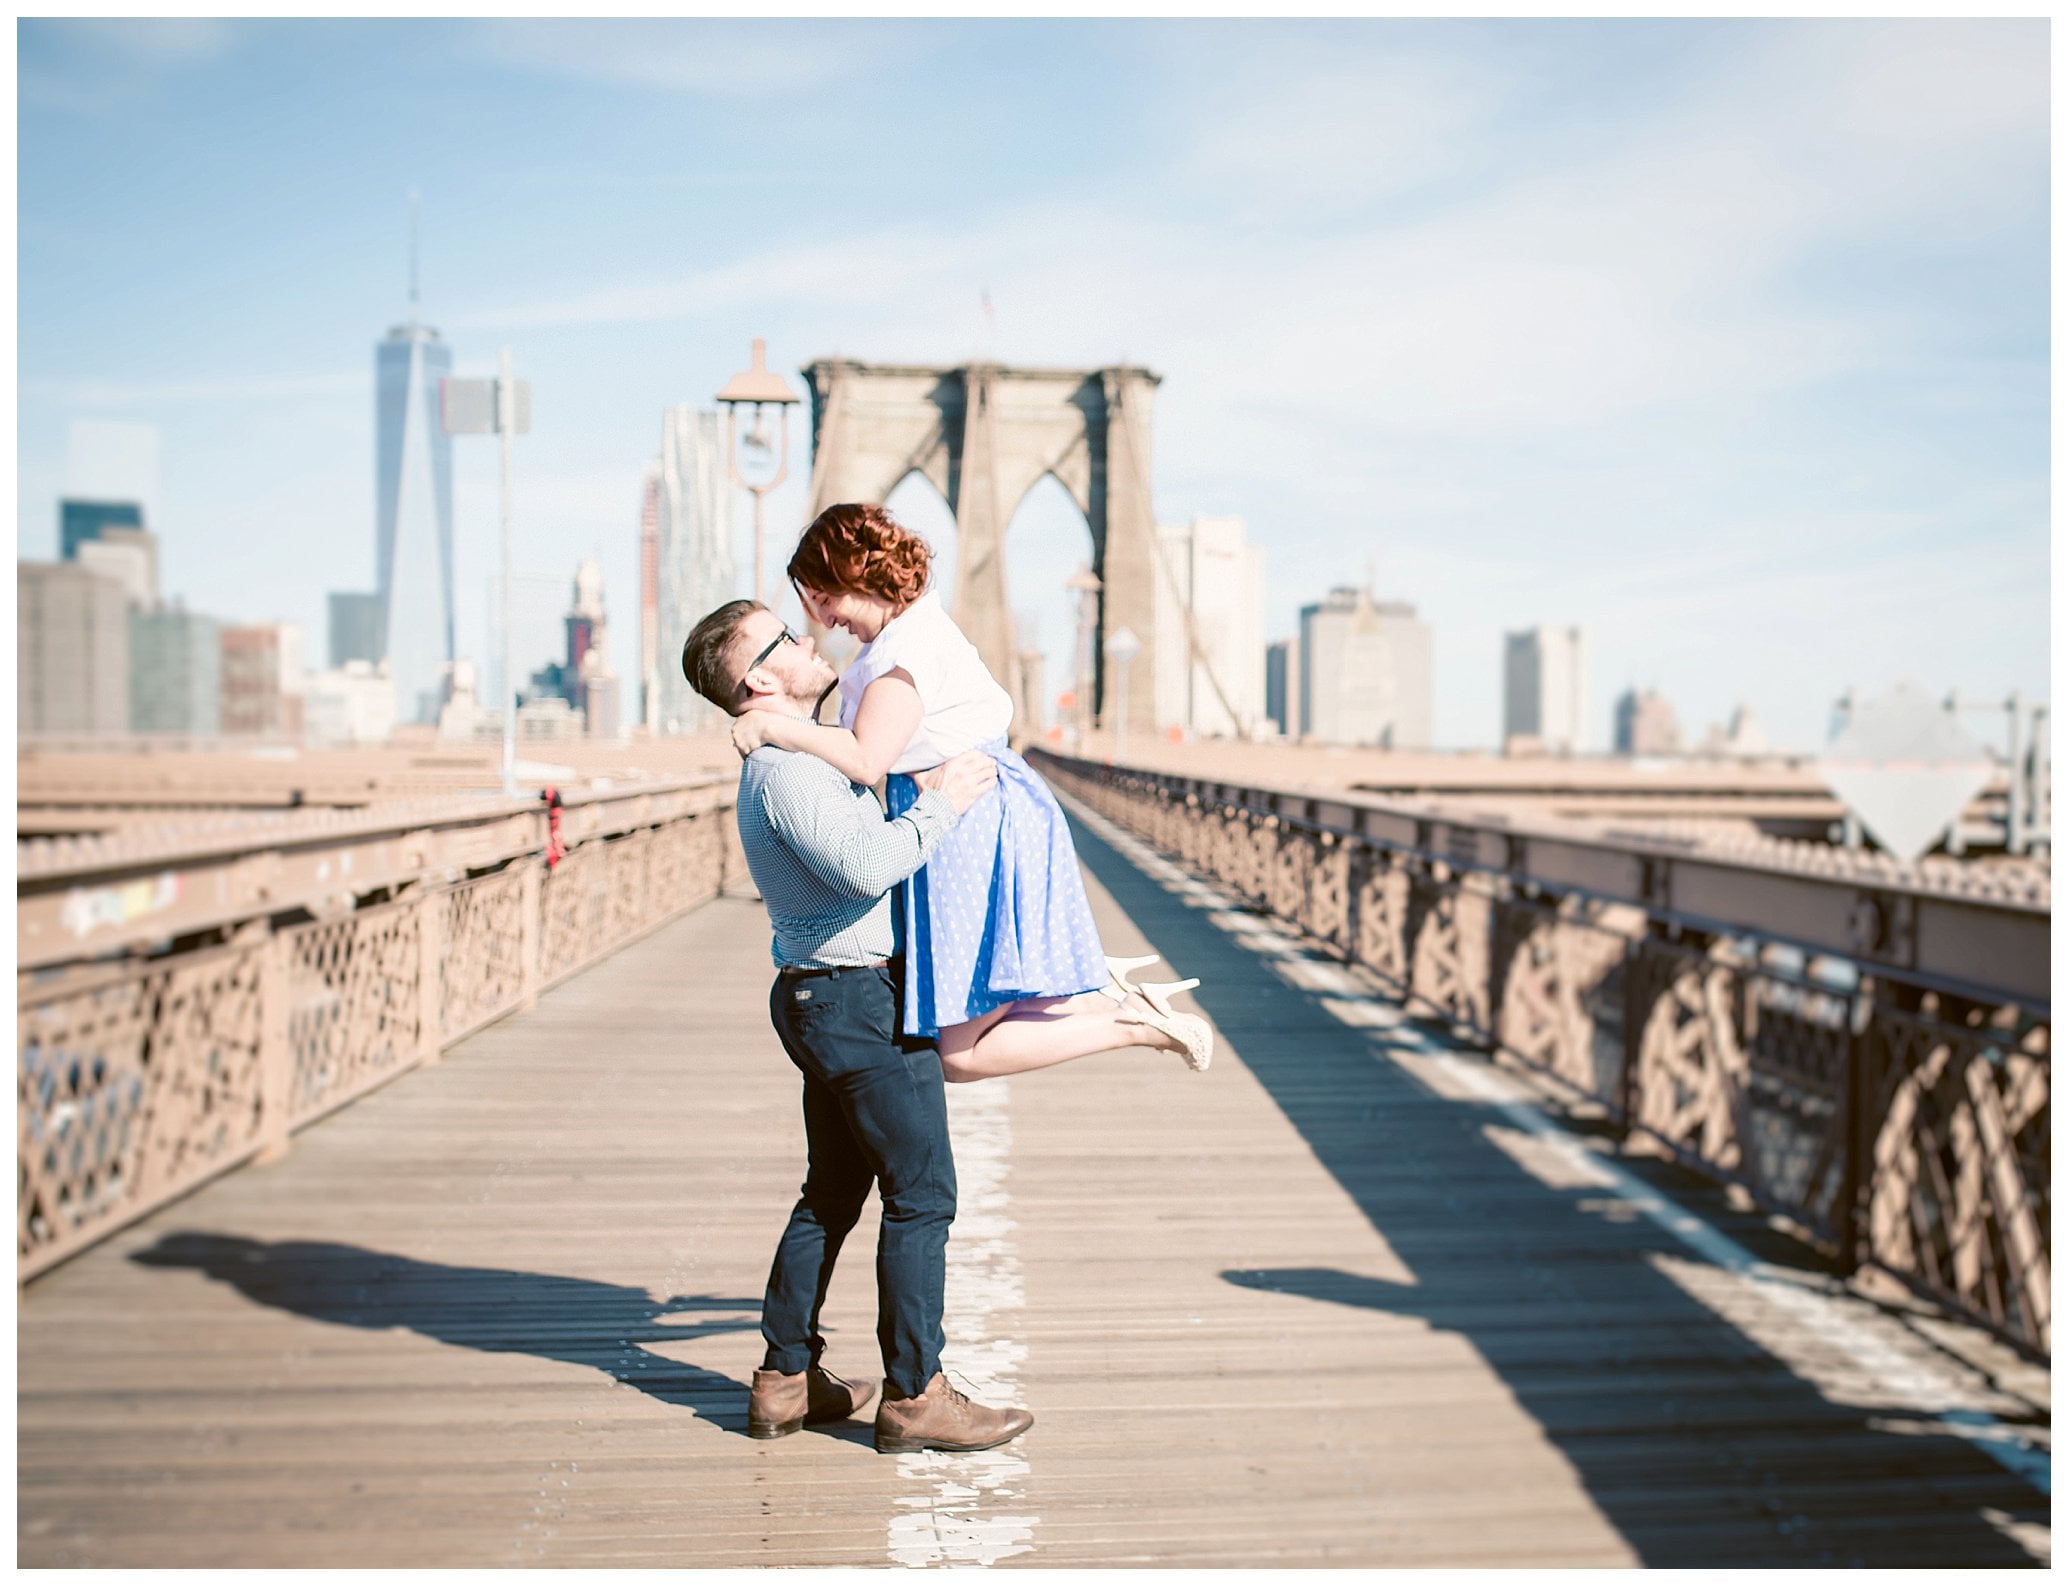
(1195, 651)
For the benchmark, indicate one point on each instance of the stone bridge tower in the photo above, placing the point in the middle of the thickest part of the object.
(984, 434)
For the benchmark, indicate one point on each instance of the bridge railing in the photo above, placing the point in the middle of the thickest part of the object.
(1837, 1049)
(139, 1079)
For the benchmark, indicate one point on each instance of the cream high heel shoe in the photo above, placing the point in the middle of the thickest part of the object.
(1119, 967)
(1194, 1032)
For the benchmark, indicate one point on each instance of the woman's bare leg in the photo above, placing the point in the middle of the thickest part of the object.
(1040, 1032)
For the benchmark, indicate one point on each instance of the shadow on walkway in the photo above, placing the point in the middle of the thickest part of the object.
(1698, 1444)
(576, 1320)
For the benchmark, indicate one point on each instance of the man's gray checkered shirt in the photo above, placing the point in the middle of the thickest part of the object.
(825, 858)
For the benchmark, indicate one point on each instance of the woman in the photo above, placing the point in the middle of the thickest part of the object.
(1002, 961)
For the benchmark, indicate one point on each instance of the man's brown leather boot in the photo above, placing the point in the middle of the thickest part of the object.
(781, 1403)
(944, 1419)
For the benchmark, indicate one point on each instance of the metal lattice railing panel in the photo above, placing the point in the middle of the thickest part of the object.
(1290, 874)
(1449, 956)
(132, 1092)
(1382, 891)
(481, 952)
(1329, 904)
(1560, 996)
(1798, 1043)
(571, 909)
(1744, 1073)
(687, 863)
(1689, 1084)
(354, 1004)
(205, 1051)
(625, 906)
(1958, 1191)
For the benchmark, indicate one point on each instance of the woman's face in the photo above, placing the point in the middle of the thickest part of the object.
(861, 615)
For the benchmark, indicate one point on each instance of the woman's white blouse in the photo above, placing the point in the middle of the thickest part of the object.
(965, 707)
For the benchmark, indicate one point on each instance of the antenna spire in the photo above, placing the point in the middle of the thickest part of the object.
(414, 204)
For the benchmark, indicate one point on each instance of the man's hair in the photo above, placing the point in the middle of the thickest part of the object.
(707, 654)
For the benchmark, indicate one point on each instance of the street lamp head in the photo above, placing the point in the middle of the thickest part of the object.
(755, 388)
(758, 384)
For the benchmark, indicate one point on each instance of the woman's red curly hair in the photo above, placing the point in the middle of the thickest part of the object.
(861, 549)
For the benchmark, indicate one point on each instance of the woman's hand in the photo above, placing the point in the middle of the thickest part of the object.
(750, 731)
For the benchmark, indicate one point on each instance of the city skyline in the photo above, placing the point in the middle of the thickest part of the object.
(1725, 341)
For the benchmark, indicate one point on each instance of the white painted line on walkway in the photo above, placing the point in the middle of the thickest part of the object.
(972, 1508)
(1918, 1379)
(1911, 1378)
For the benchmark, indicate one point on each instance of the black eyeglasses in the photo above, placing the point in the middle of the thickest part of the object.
(785, 637)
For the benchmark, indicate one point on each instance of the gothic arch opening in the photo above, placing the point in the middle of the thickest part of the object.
(920, 507)
(1048, 543)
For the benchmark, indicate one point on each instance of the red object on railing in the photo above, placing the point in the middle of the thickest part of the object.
(556, 850)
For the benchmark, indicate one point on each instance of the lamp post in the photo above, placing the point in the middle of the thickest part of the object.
(501, 406)
(756, 388)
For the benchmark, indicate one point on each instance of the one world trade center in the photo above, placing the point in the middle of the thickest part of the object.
(413, 507)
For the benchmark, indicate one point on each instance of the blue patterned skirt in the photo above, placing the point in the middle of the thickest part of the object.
(998, 911)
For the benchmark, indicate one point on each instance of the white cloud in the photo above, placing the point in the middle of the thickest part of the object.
(98, 66)
(860, 273)
(726, 58)
(1920, 84)
(1312, 130)
(1653, 275)
(158, 41)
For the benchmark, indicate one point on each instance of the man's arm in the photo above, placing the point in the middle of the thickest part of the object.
(845, 840)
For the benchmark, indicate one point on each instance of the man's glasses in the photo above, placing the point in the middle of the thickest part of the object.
(785, 637)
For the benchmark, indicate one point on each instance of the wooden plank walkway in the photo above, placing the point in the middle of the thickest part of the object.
(1346, 1299)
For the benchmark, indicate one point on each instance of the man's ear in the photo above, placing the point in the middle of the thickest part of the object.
(759, 688)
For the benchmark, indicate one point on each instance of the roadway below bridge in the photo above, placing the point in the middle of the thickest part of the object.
(1354, 1297)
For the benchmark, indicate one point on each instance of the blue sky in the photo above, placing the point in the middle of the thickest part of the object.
(1725, 340)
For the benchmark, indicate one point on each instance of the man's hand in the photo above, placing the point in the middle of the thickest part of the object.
(964, 779)
(749, 731)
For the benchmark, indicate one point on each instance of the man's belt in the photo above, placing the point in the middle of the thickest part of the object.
(807, 971)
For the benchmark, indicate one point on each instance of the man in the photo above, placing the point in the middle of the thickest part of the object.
(875, 1106)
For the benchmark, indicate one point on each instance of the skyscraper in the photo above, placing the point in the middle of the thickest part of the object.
(82, 521)
(413, 511)
(650, 599)
(1364, 672)
(585, 620)
(694, 544)
(1209, 587)
(1544, 694)
(71, 650)
(262, 681)
(354, 703)
(175, 673)
(1282, 685)
(129, 556)
(1646, 724)
(108, 533)
(355, 627)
